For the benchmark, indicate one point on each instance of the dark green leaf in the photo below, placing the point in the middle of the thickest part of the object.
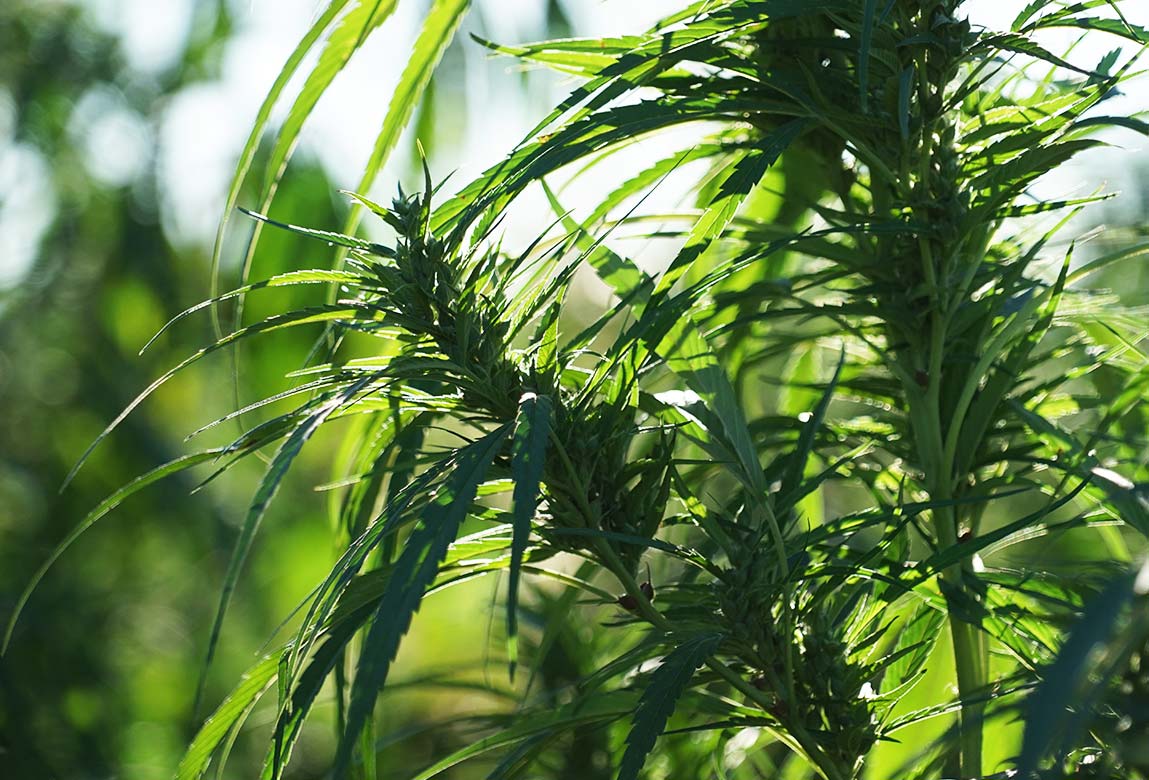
(413, 573)
(666, 685)
(528, 454)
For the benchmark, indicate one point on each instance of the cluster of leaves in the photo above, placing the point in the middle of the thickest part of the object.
(1092, 721)
(867, 169)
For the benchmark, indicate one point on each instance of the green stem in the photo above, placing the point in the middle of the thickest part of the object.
(969, 652)
(968, 649)
(971, 680)
(938, 462)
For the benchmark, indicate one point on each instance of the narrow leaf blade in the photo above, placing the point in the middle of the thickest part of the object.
(528, 453)
(655, 707)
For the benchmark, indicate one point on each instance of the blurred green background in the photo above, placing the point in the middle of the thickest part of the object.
(119, 125)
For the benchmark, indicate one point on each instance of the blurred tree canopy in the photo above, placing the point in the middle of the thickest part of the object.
(98, 680)
(101, 673)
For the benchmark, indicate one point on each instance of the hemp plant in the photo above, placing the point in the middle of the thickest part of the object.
(788, 470)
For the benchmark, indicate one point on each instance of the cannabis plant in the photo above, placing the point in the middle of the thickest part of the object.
(798, 465)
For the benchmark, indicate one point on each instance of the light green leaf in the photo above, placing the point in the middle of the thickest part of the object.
(438, 31)
(262, 120)
(598, 709)
(347, 36)
(107, 505)
(233, 710)
(740, 179)
(268, 487)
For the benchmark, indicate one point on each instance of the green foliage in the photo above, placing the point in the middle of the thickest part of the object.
(659, 697)
(1089, 714)
(528, 456)
(861, 236)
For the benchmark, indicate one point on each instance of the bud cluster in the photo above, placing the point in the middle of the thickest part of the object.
(822, 693)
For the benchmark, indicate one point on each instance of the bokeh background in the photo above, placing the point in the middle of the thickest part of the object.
(120, 124)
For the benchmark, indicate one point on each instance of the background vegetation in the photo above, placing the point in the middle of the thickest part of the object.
(102, 671)
(100, 679)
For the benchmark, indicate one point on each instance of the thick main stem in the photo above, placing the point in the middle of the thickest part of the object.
(971, 678)
(969, 663)
(938, 458)
(969, 656)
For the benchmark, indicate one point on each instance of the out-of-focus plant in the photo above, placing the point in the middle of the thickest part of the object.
(1091, 713)
(775, 569)
(99, 680)
(87, 275)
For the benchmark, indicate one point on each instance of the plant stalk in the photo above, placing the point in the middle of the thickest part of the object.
(938, 462)
(969, 652)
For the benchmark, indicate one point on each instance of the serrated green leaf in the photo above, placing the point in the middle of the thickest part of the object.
(579, 56)
(648, 177)
(916, 640)
(666, 685)
(268, 487)
(290, 278)
(800, 456)
(233, 710)
(262, 120)
(597, 709)
(345, 39)
(435, 37)
(331, 238)
(1118, 27)
(528, 458)
(305, 316)
(1023, 45)
(741, 178)
(413, 573)
(296, 704)
(1047, 714)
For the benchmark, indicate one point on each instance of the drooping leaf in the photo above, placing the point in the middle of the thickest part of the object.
(438, 31)
(262, 120)
(528, 453)
(304, 316)
(233, 710)
(347, 36)
(104, 507)
(806, 440)
(268, 487)
(667, 684)
(1064, 682)
(598, 709)
(413, 573)
(290, 278)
